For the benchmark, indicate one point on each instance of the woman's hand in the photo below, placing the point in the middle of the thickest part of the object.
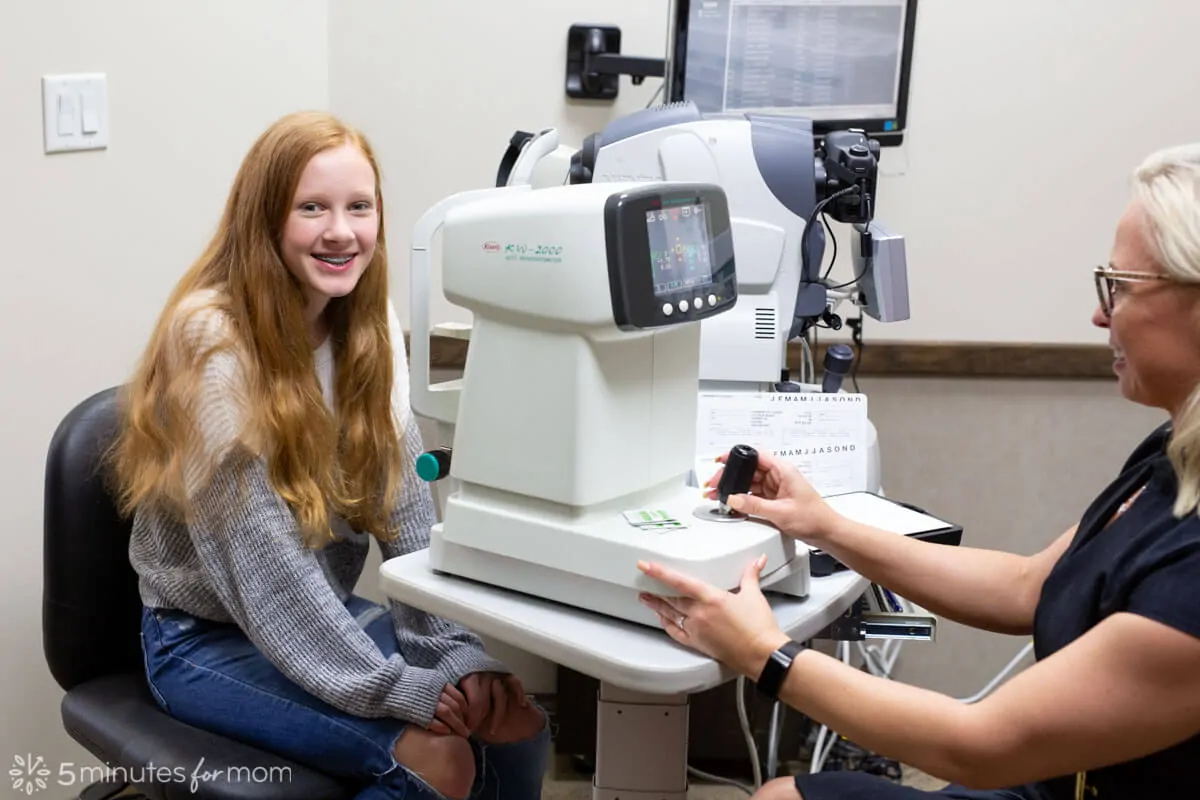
(451, 714)
(737, 629)
(782, 496)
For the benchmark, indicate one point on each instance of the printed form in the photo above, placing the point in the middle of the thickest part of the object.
(825, 435)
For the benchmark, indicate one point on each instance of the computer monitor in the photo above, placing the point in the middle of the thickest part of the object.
(841, 63)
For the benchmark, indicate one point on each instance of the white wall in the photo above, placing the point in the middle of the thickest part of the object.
(95, 240)
(1026, 118)
(440, 87)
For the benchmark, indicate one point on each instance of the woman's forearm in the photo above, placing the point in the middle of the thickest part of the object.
(981, 588)
(929, 731)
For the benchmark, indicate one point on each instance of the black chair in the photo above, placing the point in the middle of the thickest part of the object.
(91, 629)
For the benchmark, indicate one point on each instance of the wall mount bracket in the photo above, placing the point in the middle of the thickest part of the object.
(595, 64)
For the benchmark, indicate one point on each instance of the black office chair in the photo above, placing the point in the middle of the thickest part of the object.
(91, 627)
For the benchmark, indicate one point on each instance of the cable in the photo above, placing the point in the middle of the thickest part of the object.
(806, 362)
(773, 733)
(876, 663)
(814, 348)
(856, 338)
(657, 92)
(745, 721)
(854, 280)
(994, 682)
(708, 776)
(812, 218)
(751, 746)
(832, 238)
(821, 751)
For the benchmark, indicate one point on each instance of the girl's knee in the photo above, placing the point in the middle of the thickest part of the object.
(778, 789)
(446, 763)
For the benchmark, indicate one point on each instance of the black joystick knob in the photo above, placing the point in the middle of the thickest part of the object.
(738, 474)
(838, 360)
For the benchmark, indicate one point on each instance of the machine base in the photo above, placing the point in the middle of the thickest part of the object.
(577, 590)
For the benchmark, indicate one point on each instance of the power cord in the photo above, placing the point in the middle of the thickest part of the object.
(856, 339)
(708, 776)
(808, 227)
(832, 238)
(994, 682)
(751, 746)
(657, 92)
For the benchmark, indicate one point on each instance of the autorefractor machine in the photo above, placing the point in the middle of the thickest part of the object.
(609, 284)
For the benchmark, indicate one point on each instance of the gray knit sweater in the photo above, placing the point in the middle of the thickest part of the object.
(241, 560)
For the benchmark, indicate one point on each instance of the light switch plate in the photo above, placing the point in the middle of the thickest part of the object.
(75, 112)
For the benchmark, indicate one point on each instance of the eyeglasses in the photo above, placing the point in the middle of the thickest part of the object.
(1107, 279)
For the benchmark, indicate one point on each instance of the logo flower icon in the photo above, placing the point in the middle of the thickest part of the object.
(28, 773)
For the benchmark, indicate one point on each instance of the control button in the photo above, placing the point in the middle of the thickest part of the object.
(712, 299)
(668, 308)
(683, 305)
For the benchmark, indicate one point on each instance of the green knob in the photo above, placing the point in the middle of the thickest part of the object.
(434, 464)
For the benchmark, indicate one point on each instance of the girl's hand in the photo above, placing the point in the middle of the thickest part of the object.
(451, 714)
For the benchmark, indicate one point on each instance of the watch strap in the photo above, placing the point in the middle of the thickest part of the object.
(777, 667)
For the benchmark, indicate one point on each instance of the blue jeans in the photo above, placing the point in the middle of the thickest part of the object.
(209, 675)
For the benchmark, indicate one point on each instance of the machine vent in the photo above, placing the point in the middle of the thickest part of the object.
(764, 323)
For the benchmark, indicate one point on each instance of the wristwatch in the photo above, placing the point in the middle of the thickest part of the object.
(777, 668)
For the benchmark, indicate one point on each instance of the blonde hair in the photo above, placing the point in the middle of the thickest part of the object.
(347, 461)
(1167, 186)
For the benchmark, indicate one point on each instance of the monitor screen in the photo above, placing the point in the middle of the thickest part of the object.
(840, 63)
(679, 242)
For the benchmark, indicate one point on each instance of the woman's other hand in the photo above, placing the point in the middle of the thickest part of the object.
(782, 496)
(737, 629)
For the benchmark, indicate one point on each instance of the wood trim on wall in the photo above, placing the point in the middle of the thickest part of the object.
(912, 359)
(960, 360)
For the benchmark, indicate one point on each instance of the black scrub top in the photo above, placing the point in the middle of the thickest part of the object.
(1145, 562)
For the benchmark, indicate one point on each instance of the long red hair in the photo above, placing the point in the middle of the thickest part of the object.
(347, 461)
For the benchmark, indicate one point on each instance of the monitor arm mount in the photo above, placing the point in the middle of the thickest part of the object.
(595, 63)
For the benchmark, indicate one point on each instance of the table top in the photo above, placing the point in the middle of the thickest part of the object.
(625, 654)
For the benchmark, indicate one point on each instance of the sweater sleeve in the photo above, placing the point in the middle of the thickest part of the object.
(273, 586)
(426, 639)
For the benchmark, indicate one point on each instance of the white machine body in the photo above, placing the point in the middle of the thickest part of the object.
(749, 343)
(568, 417)
(767, 172)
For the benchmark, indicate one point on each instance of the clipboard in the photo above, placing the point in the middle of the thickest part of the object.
(886, 514)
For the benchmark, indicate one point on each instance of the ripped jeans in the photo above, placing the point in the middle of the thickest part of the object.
(211, 676)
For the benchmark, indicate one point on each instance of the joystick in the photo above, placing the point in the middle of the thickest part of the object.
(738, 475)
(736, 479)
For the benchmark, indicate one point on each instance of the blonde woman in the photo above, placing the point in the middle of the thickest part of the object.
(1111, 709)
(267, 438)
